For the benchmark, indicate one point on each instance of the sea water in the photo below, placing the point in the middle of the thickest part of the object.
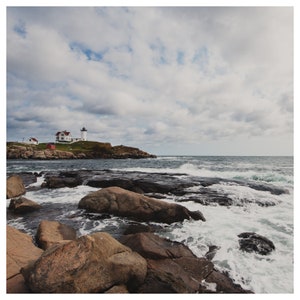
(261, 274)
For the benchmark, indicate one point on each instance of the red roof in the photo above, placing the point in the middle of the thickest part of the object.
(64, 132)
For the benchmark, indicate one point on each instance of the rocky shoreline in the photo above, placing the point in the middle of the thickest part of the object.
(138, 261)
(99, 150)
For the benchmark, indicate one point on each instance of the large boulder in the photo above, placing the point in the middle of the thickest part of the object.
(50, 233)
(14, 187)
(253, 242)
(152, 246)
(90, 264)
(23, 205)
(173, 268)
(125, 203)
(177, 275)
(20, 250)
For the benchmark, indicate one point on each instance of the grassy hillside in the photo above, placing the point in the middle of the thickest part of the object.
(81, 146)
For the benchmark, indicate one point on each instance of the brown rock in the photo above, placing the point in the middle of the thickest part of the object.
(23, 205)
(14, 187)
(39, 154)
(90, 264)
(117, 289)
(223, 284)
(50, 233)
(20, 250)
(173, 268)
(125, 203)
(178, 275)
(152, 246)
(16, 285)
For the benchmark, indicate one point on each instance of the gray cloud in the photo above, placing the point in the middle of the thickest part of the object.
(153, 77)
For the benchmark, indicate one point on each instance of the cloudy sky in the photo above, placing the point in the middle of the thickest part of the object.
(168, 80)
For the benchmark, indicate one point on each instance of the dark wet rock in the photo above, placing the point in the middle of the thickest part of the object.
(267, 188)
(253, 242)
(212, 251)
(121, 202)
(157, 185)
(59, 182)
(206, 196)
(23, 205)
(206, 182)
(141, 182)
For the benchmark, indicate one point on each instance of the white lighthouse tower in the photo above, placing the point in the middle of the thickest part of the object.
(83, 134)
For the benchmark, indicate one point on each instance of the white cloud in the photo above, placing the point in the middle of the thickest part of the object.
(152, 76)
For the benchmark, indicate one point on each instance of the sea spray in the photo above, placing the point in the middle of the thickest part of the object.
(252, 210)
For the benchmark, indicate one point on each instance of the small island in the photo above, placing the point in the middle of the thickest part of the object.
(66, 147)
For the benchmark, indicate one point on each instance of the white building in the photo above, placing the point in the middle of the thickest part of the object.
(31, 140)
(83, 134)
(63, 137)
(66, 136)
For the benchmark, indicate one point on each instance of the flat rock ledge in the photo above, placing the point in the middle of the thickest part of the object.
(120, 202)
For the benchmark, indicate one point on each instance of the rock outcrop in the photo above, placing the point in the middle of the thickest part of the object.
(173, 268)
(14, 187)
(55, 182)
(50, 233)
(98, 263)
(253, 242)
(120, 202)
(89, 264)
(159, 184)
(30, 152)
(86, 150)
(23, 205)
(20, 250)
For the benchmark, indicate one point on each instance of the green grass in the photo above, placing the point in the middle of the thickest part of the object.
(81, 146)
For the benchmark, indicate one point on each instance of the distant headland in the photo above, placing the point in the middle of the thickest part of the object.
(67, 147)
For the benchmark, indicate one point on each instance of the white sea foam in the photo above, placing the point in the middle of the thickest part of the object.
(61, 195)
(222, 226)
(262, 274)
(193, 169)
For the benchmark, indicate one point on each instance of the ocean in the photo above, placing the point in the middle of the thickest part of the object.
(251, 210)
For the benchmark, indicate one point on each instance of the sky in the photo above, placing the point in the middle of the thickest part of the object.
(169, 80)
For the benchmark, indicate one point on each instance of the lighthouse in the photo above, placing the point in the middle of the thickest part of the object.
(83, 134)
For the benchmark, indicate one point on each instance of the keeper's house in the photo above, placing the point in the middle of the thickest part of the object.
(63, 137)
(66, 136)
